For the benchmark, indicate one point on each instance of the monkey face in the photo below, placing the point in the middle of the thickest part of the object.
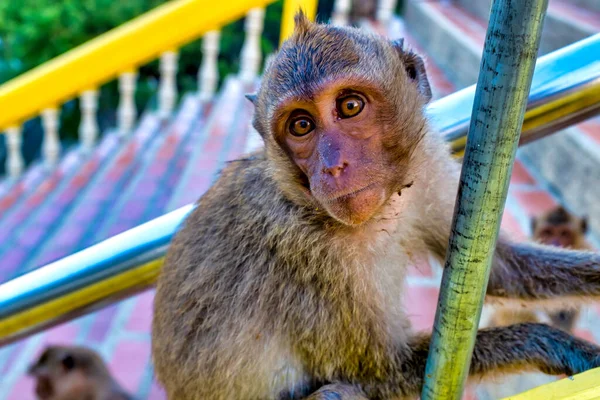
(345, 108)
(337, 144)
(558, 227)
(64, 372)
(53, 366)
(560, 235)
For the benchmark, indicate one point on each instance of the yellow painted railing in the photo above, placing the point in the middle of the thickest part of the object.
(122, 49)
(584, 386)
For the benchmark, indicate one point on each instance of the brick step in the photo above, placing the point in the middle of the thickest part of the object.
(453, 32)
(566, 22)
(33, 188)
(151, 188)
(568, 160)
(15, 191)
(61, 237)
(396, 29)
(25, 228)
(226, 133)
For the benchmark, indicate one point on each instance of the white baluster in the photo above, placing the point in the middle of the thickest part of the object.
(208, 75)
(251, 54)
(88, 129)
(385, 10)
(127, 112)
(167, 92)
(341, 12)
(14, 157)
(51, 145)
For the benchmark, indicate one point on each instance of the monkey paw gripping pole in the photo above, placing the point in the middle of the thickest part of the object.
(505, 75)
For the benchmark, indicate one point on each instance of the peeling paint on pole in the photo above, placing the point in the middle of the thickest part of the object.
(506, 70)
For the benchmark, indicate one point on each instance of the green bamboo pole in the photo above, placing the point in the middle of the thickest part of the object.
(506, 70)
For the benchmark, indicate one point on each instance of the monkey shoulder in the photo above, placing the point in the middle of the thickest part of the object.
(223, 238)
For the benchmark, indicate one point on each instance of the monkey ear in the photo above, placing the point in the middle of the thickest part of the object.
(68, 362)
(252, 97)
(415, 69)
(584, 225)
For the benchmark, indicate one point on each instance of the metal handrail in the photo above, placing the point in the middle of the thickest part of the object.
(129, 263)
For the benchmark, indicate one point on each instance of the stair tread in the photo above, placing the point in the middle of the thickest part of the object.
(565, 10)
(224, 140)
(146, 196)
(20, 233)
(440, 84)
(13, 192)
(86, 211)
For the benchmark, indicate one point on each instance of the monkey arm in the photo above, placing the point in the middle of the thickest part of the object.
(523, 347)
(532, 272)
(512, 349)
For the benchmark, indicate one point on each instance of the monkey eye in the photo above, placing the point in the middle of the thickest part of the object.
(68, 362)
(301, 126)
(349, 106)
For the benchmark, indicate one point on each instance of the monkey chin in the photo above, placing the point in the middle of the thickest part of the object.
(356, 208)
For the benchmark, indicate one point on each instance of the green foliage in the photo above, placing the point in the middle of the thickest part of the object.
(35, 31)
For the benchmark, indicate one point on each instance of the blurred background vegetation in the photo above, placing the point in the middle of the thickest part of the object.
(35, 31)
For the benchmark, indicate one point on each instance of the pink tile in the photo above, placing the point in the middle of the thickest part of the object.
(422, 269)
(156, 392)
(128, 363)
(511, 226)
(420, 303)
(24, 389)
(141, 317)
(520, 175)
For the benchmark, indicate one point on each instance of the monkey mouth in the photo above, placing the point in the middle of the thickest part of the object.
(344, 196)
(44, 389)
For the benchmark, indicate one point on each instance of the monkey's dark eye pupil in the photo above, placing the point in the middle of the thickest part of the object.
(350, 106)
(301, 126)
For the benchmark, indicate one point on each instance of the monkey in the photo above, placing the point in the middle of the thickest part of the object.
(286, 280)
(555, 227)
(558, 227)
(74, 373)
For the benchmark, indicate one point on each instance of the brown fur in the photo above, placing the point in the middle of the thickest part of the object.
(272, 290)
(74, 373)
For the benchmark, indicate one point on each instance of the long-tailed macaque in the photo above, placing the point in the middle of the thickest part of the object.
(555, 227)
(286, 280)
(74, 373)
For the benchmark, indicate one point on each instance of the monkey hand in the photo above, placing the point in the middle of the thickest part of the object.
(338, 391)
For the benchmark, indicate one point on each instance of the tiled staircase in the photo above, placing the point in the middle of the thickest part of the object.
(163, 165)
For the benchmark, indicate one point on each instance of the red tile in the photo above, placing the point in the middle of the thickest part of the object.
(591, 128)
(520, 175)
(585, 334)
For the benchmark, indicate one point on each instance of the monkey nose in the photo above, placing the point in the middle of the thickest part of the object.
(335, 170)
